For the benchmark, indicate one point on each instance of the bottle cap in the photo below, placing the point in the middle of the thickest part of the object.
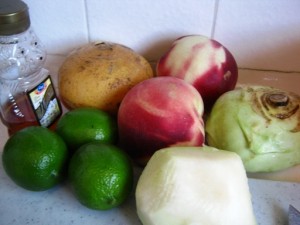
(14, 17)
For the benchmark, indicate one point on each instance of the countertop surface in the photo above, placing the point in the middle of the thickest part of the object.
(271, 199)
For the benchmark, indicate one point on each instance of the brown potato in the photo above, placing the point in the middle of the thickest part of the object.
(100, 74)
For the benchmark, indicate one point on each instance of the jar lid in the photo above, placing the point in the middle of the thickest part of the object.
(14, 17)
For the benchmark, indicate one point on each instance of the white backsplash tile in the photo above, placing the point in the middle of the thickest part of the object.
(261, 34)
(148, 27)
(60, 24)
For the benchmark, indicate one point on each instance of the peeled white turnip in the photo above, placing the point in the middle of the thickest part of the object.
(194, 186)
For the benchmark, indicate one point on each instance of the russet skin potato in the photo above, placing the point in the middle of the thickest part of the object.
(202, 62)
(100, 74)
(157, 113)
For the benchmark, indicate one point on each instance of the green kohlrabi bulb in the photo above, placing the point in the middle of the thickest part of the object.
(261, 124)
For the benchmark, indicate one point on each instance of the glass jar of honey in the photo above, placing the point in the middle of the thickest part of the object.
(27, 93)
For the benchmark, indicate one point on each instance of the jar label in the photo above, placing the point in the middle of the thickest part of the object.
(45, 103)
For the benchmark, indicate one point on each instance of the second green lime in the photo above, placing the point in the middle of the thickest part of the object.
(101, 175)
(82, 125)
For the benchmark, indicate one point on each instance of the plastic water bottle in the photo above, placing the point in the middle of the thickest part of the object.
(27, 94)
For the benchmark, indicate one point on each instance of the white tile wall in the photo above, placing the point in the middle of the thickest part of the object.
(148, 26)
(60, 24)
(261, 34)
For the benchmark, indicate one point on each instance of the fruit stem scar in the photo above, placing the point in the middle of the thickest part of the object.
(278, 99)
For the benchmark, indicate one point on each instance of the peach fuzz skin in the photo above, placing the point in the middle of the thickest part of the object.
(157, 113)
(202, 62)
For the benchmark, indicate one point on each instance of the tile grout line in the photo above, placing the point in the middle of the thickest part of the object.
(153, 62)
(87, 20)
(216, 9)
(266, 70)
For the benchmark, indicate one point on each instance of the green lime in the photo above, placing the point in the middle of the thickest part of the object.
(101, 175)
(35, 158)
(83, 125)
